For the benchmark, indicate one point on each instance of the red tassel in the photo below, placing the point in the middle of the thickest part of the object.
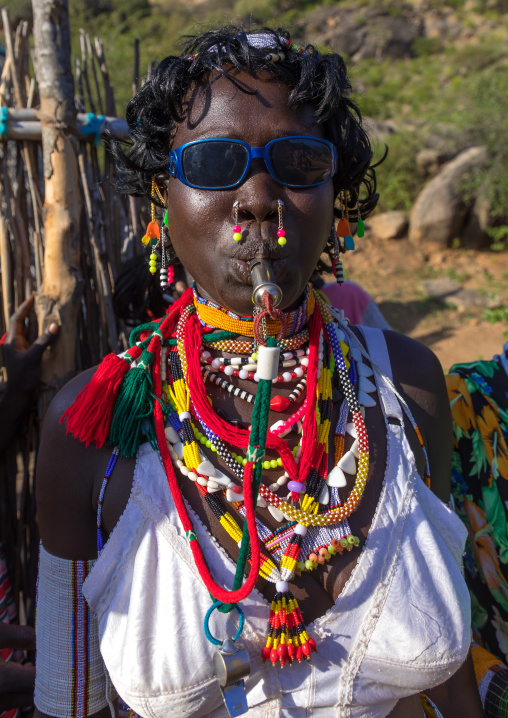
(89, 417)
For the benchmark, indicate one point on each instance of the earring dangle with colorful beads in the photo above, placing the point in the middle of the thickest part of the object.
(281, 234)
(237, 230)
(338, 269)
(343, 229)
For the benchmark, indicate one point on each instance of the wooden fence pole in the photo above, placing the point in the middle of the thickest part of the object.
(60, 295)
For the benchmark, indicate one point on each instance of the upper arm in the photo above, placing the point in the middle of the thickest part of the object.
(65, 475)
(419, 377)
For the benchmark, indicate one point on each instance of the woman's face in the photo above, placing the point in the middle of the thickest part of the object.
(201, 221)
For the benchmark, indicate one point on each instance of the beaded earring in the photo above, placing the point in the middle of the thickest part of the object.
(158, 237)
(338, 270)
(237, 230)
(343, 229)
(152, 234)
(281, 234)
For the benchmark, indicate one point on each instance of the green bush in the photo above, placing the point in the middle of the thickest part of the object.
(398, 180)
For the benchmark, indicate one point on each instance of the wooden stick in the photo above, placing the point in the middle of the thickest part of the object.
(84, 63)
(91, 56)
(20, 129)
(9, 48)
(7, 276)
(135, 79)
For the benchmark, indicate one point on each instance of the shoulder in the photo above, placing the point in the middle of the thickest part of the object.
(419, 377)
(66, 474)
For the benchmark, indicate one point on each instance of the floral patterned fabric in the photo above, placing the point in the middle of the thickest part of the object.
(478, 394)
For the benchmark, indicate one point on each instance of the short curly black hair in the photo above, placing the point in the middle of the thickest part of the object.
(314, 77)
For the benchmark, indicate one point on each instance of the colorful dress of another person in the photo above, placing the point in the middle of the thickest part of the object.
(358, 306)
(8, 614)
(478, 393)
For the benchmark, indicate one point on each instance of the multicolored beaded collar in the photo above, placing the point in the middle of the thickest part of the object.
(213, 316)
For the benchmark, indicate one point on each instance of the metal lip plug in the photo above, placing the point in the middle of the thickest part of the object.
(263, 281)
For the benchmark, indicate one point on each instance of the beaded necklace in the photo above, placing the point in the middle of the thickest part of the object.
(239, 346)
(212, 315)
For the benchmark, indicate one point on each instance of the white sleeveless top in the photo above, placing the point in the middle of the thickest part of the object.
(400, 625)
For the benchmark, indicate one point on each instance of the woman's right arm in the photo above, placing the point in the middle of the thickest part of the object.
(67, 474)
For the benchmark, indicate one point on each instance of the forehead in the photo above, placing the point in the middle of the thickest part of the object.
(253, 108)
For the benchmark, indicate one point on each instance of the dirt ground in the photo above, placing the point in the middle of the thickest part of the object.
(393, 272)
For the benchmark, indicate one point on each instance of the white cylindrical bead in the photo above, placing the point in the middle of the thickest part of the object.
(300, 529)
(268, 362)
(184, 415)
(236, 360)
(281, 586)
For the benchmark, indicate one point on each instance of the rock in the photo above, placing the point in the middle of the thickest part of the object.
(388, 225)
(474, 234)
(377, 129)
(454, 295)
(440, 288)
(466, 299)
(430, 161)
(389, 35)
(440, 212)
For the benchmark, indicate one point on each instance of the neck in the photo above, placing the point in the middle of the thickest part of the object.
(216, 317)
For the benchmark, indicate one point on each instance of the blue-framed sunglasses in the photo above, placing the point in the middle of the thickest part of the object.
(221, 163)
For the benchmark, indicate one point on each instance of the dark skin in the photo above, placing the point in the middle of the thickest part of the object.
(201, 231)
(22, 362)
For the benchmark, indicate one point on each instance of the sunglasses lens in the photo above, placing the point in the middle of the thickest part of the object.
(301, 162)
(214, 164)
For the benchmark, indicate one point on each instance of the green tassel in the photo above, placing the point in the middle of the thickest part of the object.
(133, 408)
(166, 218)
(360, 228)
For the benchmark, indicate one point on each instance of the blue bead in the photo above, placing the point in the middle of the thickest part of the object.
(349, 242)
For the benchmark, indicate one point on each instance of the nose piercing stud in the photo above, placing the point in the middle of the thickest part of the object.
(281, 234)
(237, 230)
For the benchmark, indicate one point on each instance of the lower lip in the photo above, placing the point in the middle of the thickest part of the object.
(242, 271)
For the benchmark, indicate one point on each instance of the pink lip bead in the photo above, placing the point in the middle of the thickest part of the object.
(296, 486)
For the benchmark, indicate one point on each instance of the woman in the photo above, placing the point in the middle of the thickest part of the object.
(379, 587)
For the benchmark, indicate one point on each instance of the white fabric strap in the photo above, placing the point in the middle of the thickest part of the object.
(71, 678)
(376, 347)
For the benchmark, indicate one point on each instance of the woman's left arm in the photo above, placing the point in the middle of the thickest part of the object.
(419, 377)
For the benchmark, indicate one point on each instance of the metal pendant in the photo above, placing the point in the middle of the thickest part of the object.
(231, 664)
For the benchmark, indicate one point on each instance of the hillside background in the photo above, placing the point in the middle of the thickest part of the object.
(431, 78)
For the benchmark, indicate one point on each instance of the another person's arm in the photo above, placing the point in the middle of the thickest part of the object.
(419, 377)
(22, 362)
